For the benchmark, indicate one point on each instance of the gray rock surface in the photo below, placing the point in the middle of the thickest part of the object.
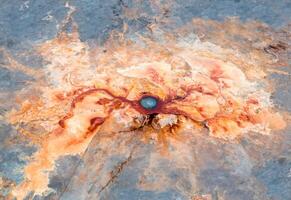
(226, 171)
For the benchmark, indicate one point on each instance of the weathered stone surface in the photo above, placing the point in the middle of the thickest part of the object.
(120, 165)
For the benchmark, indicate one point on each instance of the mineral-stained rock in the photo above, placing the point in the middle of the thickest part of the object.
(161, 108)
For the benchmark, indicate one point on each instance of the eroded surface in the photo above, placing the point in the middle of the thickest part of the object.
(77, 129)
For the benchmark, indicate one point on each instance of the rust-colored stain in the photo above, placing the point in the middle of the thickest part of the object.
(82, 87)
